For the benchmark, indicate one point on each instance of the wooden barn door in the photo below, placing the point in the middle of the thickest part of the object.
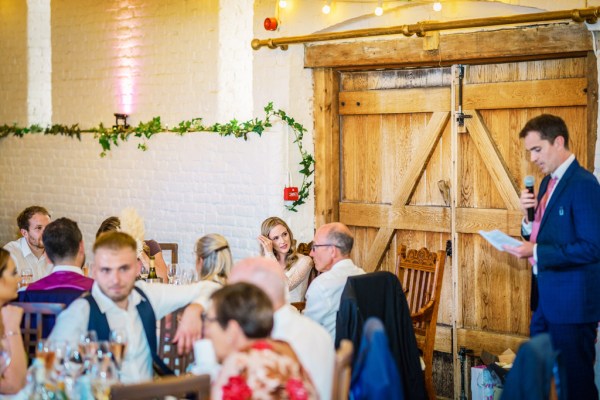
(409, 174)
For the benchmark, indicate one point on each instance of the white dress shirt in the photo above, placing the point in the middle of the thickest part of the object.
(311, 343)
(24, 258)
(323, 295)
(137, 364)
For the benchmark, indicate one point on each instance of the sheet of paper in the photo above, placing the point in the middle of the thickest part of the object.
(498, 239)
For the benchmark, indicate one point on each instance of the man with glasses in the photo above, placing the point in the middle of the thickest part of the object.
(331, 253)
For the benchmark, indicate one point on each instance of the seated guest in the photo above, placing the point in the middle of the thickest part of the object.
(311, 342)
(12, 379)
(238, 324)
(118, 302)
(64, 247)
(213, 258)
(28, 251)
(277, 242)
(331, 253)
(131, 223)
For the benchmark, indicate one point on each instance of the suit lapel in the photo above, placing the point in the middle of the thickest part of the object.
(558, 190)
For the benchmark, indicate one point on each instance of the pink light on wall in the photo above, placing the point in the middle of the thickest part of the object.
(126, 68)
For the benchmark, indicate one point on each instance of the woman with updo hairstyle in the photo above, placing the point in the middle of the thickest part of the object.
(213, 258)
(277, 242)
(13, 377)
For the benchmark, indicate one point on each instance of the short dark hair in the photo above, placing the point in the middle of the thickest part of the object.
(26, 214)
(342, 240)
(115, 241)
(549, 126)
(246, 304)
(61, 239)
(110, 224)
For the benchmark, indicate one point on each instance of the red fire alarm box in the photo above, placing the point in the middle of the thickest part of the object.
(290, 193)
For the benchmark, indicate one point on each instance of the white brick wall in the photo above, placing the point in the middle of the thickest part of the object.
(39, 66)
(184, 187)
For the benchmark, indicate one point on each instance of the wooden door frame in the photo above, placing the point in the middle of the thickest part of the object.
(506, 45)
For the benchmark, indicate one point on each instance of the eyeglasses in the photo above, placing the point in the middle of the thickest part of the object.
(314, 247)
(206, 318)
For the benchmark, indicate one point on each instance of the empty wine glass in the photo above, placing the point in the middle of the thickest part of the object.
(73, 365)
(172, 272)
(103, 376)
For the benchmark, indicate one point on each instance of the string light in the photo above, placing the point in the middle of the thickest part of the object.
(282, 3)
(327, 7)
(437, 6)
(379, 8)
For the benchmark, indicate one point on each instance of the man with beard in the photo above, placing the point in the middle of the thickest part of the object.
(28, 252)
(117, 302)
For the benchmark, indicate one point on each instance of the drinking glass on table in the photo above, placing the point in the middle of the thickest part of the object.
(88, 346)
(103, 376)
(171, 272)
(118, 345)
(46, 352)
(26, 277)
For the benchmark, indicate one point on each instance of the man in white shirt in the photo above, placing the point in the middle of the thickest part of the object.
(330, 251)
(118, 302)
(311, 342)
(28, 251)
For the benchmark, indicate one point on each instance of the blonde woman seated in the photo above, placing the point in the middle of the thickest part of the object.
(277, 242)
(12, 376)
(239, 323)
(213, 258)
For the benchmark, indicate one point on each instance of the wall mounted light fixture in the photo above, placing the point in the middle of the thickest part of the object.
(120, 121)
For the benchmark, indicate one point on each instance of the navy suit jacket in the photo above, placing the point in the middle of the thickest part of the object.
(568, 249)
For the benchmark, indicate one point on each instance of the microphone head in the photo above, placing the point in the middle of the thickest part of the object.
(529, 181)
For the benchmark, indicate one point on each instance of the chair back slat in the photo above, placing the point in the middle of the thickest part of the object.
(32, 324)
(421, 273)
(342, 371)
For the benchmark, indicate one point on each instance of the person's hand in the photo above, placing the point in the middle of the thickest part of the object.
(266, 243)
(189, 329)
(11, 318)
(525, 250)
(528, 200)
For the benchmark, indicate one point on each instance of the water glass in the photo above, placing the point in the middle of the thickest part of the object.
(171, 272)
(103, 376)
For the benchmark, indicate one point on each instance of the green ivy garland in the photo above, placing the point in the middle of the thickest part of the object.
(108, 136)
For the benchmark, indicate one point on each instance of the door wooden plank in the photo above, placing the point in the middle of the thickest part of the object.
(472, 220)
(495, 163)
(592, 108)
(521, 43)
(327, 155)
(526, 94)
(493, 342)
(402, 101)
(421, 218)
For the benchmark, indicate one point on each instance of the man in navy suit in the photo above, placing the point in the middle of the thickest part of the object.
(563, 245)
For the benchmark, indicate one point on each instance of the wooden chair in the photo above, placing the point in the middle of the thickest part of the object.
(304, 249)
(173, 248)
(32, 326)
(342, 371)
(189, 386)
(167, 351)
(421, 273)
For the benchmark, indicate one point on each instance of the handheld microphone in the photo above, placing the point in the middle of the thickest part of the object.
(529, 181)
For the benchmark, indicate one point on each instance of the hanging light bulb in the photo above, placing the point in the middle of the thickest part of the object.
(437, 6)
(327, 7)
(282, 3)
(379, 8)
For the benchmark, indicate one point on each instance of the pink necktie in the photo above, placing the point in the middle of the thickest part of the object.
(539, 213)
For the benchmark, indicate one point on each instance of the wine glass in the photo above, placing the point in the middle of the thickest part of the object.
(46, 352)
(26, 277)
(88, 345)
(103, 376)
(118, 345)
(73, 365)
(172, 272)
